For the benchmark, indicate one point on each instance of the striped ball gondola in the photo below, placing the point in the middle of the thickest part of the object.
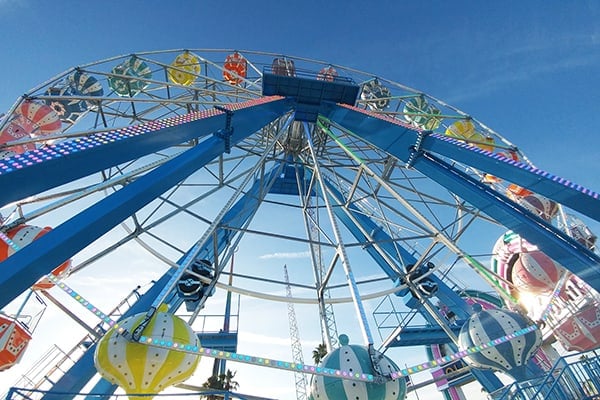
(376, 96)
(465, 130)
(327, 74)
(536, 204)
(136, 73)
(23, 235)
(86, 85)
(68, 110)
(30, 119)
(535, 272)
(421, 114)
(510, 356)
(78, 84)
(38, 119)
(235, 68)
(355, 359)
(504, 254)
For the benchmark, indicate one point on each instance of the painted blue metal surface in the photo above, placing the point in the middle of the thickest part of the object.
(35, 171)
(399, 139)
(25, 267)
(309, 93)
(563, 249)
(83, 370)
(287, 182)
(561, 190)
(358, 223)
(423, 336)
(575, 376)
(225, 341)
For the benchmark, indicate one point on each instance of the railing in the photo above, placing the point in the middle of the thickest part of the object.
(291, 71)
(575, 377)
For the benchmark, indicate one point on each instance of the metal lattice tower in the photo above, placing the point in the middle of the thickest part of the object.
(299, 377)
(328, 325)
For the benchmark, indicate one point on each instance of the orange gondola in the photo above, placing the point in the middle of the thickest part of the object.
(235, 68)
(14, 338)
(21, 236)
(511, 155)
(30, 119)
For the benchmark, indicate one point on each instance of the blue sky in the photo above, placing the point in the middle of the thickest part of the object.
(529, 70)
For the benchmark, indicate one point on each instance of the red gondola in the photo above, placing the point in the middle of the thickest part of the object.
(30, 119)
(581, 331)
(14, 338)
(23, 235)
(235, 68)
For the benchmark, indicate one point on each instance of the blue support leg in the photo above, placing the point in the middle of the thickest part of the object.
(84, 370)
(25, 267)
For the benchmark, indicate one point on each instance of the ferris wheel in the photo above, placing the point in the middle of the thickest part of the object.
(222, 164)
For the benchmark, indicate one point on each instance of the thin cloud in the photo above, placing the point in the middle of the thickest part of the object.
(10, 4)
(297, 254)
(529, 59)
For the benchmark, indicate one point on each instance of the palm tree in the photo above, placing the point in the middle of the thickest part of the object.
(227, 378)
(212, 382)
(319, 353)
(221, 382)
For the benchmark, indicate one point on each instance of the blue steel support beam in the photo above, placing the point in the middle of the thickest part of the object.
(348, 215)
(399, 139)
(446, 295)
(83, 370)
(423, 336)
(35, 171)
(563, 249)
(25, 267)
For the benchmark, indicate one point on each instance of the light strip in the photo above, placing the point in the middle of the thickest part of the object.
(259, 361)
(213, 353)
(89, 306)
(492, 343)
(290, 366)
(60, 149)
(284, 365)
(9, 241)
(460, 354)
(445, 138)
(207, 352)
